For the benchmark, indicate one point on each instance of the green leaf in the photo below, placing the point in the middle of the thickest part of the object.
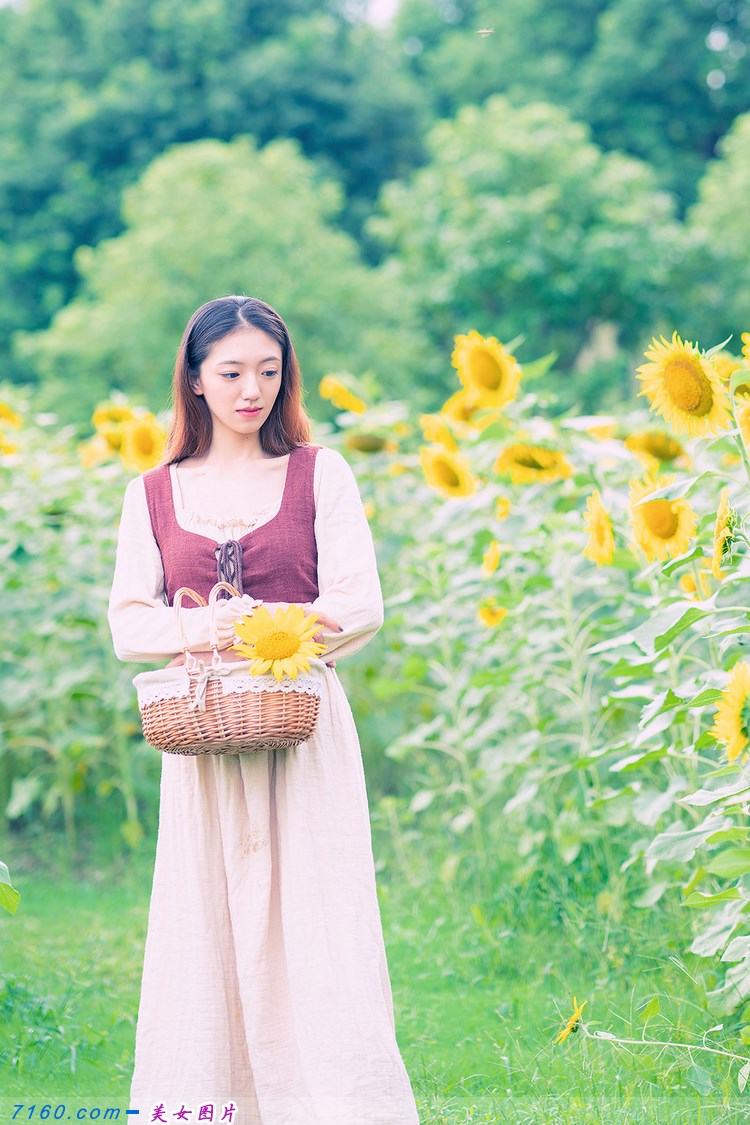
(651, 1009)
(699, 1078)
(636, 760)
(9, 896)
(679, 845)
(538, 367)
(674, 490)
(744, 1073)
(700, 900)
(732, 863)
(737, 950)
(721, 793)
(717, 348)
(656, 633)
(651, 895)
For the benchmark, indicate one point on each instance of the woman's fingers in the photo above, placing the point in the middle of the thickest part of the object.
(329, 623)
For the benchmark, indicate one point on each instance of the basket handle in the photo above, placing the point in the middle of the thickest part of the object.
(213, 598)
(185, 592)
(191, 663)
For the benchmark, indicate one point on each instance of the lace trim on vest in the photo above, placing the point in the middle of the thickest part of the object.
(235, 684)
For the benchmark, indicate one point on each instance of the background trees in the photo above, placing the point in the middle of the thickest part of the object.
(213, 218)
(537, 225)
(520, 224)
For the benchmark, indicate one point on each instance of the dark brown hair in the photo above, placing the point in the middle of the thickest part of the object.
(190, 432)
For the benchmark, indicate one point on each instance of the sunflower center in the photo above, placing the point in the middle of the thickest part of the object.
(661, 446)
(486, 371)
(277, 646)
(745, 717)
(688, 386)
(662, 519)
(447, 474)
(144, 439)
(533, 461)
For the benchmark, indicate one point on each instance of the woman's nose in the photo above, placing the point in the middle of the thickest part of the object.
(250, 389)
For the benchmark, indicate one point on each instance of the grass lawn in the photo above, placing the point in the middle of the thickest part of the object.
(480, 991)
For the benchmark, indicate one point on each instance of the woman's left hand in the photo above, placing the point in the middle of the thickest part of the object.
(329, 623)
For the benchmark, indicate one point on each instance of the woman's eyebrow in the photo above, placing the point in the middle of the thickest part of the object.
(239, 362)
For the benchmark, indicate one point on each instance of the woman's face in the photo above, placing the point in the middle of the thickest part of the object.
(240, 379)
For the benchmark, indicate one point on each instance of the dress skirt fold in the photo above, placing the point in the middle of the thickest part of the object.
(265, 982)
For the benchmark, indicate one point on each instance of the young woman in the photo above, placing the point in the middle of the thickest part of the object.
(265, 982)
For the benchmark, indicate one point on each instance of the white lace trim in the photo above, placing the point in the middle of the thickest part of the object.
(241, 521)
(152, 687)
(187, 516)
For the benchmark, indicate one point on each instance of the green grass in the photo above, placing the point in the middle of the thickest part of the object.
(479, 996)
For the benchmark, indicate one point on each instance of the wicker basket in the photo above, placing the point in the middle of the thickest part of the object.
(219, 707)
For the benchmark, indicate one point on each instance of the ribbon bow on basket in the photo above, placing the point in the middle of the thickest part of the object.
(229, 707)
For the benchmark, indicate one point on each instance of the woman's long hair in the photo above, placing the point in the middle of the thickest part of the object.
(190, 432)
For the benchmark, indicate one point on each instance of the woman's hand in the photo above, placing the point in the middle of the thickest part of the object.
(329, 623)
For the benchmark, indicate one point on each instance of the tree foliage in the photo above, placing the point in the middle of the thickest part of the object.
(661, 81)
(211, 218)
(718, 301)
(92, 90)
(520, 224)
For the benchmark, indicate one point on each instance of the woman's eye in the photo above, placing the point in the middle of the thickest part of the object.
(230, 374)
(271, 371)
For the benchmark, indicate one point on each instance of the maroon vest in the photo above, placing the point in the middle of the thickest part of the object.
(277, 561)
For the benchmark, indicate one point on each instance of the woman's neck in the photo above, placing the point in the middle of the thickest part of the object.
(228, 450)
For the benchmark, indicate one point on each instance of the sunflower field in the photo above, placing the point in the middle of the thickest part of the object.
(561, 664)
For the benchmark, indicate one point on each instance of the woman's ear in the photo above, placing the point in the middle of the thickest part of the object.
(196, 386)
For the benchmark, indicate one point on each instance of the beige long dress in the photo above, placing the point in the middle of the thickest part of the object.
(265, 982)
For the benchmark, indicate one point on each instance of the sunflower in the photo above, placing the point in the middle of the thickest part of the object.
(601, 545)
(745, 337)
(502, 507)
(365, 442)
(333, 389)
(491, 558)
(9, 416)
(282, 643)
(726, 521)
(529, 463)
(142, 442)
(602, 431)
(448, 472)
(396, 468)
(732, 718)
(684, 387)
(661, 527)
(460, 407)
(725, 363)
(6, 446)
(489, 373)
(572, 1024)
(689, 585)
(654, 446)
(437, 430)
(94, 451)
(108, 420)
(742, 418)
(490, 613)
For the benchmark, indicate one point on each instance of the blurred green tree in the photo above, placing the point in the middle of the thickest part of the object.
(213, 218)
(718, 303)
(92, 90)
(661, 81)
(521, 225)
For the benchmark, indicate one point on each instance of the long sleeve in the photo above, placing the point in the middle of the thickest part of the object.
(348, 582)
(143, 625)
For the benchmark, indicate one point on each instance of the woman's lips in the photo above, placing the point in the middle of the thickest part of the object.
(250, 413)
